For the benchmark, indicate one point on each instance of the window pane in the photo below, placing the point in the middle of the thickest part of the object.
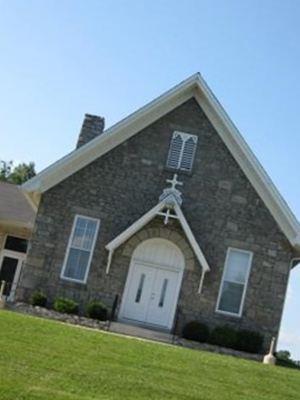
(77, 264)
(163, 293)
(84, 233)
(231, 297)
(140, 289)
(16, 244)
(89, 234)
(237, 266)
(79, 232)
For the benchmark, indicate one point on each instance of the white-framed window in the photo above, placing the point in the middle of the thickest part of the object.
(234, 282)
(182, 151)
(80, 249)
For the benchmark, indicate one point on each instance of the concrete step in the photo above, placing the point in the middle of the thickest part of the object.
(141, 332)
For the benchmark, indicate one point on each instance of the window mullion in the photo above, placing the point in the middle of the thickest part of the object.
(181, 151)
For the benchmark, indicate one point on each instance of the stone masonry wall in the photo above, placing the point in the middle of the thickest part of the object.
(219, 203)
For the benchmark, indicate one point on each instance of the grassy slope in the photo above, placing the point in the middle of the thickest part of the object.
(41, 359)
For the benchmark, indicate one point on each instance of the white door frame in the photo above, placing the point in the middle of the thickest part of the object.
(133, 263)
(21, 258)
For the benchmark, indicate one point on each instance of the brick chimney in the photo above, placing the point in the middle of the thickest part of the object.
(92, 126)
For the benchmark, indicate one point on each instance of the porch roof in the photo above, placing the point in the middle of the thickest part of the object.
(162, 209)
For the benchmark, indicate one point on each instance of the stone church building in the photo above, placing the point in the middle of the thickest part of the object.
(170, 210)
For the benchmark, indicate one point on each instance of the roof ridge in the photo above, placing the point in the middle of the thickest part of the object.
(196, 87)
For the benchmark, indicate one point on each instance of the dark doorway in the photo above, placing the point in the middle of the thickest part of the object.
(7, 272)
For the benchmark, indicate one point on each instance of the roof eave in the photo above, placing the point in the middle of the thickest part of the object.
(130, 125)
(248, 162)
(296, 243)
(196, 87)
(17, 224)
(33, 197)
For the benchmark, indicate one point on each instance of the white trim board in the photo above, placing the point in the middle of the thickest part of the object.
(144, 220)
(193, 87)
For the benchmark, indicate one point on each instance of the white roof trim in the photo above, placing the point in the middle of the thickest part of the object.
(196, 87)
(135, 227)
(191, 238)
(111, 138)
(144, 220)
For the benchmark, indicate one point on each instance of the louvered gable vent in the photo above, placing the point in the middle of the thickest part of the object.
(182, 151)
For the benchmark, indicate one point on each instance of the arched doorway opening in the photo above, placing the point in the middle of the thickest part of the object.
(153, 284)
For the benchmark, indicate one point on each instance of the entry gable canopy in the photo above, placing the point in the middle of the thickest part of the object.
(168, 207)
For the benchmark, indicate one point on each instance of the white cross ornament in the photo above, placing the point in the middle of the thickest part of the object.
(174, 182)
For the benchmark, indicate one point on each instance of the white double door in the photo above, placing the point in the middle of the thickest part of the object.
(151, 295)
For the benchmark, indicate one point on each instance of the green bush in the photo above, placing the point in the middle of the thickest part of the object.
(195, 330)
(249, 341)
(97, 310)
(65, 306)
(39, 299)
(224, 336)
(242, 340)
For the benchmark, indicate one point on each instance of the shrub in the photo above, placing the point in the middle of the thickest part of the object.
(96, 310)
(242, 340)
(249, 341)
(195, 330)
(39, 299)
(224, 336)
(65, 306)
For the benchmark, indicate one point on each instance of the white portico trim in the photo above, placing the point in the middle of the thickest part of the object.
(168, 207)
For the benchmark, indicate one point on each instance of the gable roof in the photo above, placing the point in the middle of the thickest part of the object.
(14, 207)
(193, 87)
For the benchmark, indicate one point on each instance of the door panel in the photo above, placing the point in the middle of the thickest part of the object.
(151, 295)
(7, 272)
(139, 292)
(164, 297)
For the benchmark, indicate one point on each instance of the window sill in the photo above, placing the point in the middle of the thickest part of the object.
(228, 314)
(178, 171)
(63, 278)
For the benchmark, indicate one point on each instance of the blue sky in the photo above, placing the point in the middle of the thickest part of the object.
(61, 59)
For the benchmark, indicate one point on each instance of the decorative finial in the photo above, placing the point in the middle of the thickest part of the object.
(172, 194)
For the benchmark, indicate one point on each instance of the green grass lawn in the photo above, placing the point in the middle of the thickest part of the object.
(41, 359)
